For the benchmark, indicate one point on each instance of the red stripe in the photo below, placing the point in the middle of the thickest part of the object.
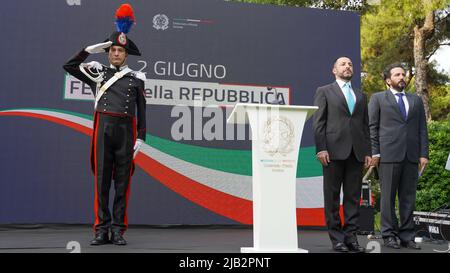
(224, 204)
(233, 207)
(313, 217)
(73, 125)
(94, 142)
(127, 196)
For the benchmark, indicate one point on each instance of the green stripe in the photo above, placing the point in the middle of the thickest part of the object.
(230, 161)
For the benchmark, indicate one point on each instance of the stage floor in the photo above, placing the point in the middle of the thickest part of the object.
(150, 239)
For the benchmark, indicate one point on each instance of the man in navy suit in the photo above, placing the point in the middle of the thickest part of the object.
(341, 133)
(399, 137)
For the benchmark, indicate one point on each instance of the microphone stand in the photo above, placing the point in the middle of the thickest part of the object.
(276, 101)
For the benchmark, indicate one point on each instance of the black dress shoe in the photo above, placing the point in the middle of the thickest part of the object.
(355, 247)
(101, 238)
(391, 242)
(411, 245)
(340, 247)
(117, 239)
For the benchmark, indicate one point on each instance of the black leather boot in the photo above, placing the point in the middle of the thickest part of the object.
(101, 238)
(117, 238)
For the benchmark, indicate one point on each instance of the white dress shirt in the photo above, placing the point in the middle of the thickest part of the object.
(341, 84)
(405, 100)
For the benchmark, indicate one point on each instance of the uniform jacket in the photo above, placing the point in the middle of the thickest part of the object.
(124, 97)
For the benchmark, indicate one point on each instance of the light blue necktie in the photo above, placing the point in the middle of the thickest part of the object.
(349, 97)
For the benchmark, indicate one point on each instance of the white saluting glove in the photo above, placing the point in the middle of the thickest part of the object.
(95, 65)
(98, 48)
(137, 146)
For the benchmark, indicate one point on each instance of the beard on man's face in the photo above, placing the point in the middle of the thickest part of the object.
(399, 85)
(346, 75)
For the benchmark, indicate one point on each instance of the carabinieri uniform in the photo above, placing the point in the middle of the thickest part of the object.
(119, 119)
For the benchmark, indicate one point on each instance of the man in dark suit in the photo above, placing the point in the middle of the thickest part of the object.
(342, 140)
(398, 132)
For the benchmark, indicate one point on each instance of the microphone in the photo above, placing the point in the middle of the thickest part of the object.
(276, 100)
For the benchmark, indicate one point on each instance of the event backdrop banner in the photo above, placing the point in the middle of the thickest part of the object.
(200, 58)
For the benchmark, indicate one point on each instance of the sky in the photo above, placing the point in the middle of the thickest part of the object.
(442, 56)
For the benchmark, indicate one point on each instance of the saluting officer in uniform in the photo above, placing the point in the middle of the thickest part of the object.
(119, 127)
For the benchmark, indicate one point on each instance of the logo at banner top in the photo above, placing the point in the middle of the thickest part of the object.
(278, 136)
(160, 22)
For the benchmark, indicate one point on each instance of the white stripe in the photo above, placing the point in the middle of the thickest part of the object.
(309, 190)
(68, 117)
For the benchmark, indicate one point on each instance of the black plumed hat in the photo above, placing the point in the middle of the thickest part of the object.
(124, 21)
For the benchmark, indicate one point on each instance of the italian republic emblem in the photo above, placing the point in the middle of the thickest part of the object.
(278, 136)
(160, 22)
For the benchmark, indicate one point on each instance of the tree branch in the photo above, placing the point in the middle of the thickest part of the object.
(428, 25)
(411, 76)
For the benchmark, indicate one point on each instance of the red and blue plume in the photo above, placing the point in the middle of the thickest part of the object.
(124, 18)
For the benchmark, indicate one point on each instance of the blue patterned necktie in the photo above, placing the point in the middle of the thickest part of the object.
(401, 105)
(349, 97)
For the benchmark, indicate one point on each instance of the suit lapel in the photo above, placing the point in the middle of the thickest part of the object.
(411, 100)
(338, 93)
(359, 98)
(393, 102)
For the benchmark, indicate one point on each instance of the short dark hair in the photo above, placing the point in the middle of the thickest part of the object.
(387, 70)
(335, 60)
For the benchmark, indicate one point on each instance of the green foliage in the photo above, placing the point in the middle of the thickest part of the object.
(439, 93)
(434, 186)
(440, 102)
(295, 3)
(354, 5)
(385, 38)
(387, 35)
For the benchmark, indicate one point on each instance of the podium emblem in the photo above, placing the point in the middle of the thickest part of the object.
(278, 136)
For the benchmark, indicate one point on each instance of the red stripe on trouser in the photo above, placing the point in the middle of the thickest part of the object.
(127, 195)
(94, 142)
